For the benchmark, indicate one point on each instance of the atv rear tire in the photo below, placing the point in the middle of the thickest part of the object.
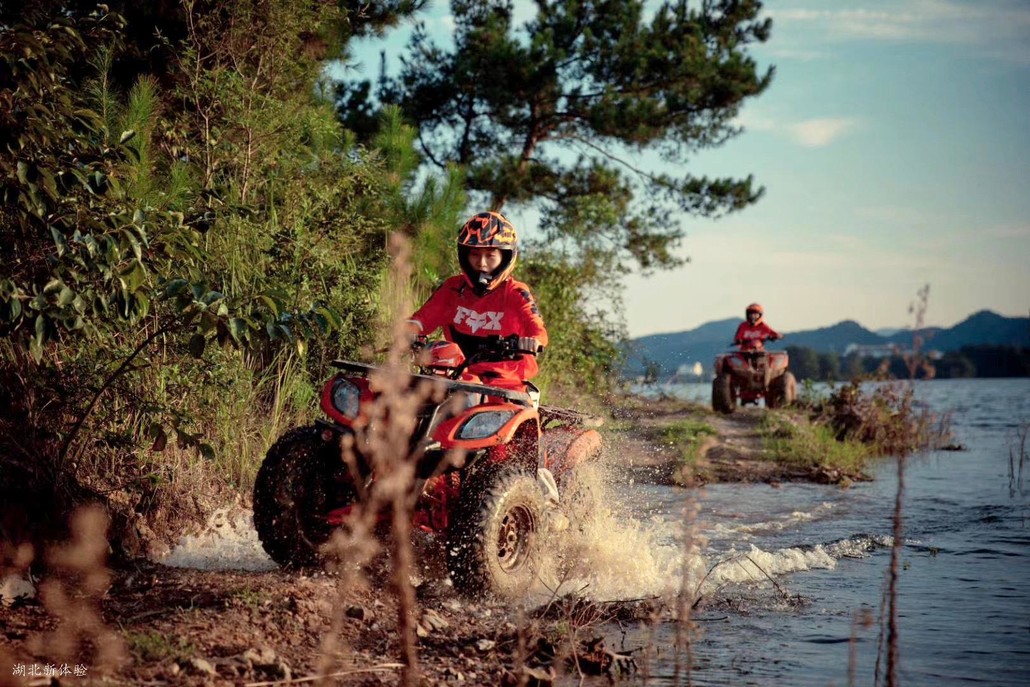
(722, 395)
(301, 479)
(782, 391)
(494, 539)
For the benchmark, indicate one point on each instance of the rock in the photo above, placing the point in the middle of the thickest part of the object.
(16, 587)
(530, 677)
(453, 674)
(265, 660)
(200, 665)
(485, 645)
(434, 620)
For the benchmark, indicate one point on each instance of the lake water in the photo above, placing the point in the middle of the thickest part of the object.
(797, 568)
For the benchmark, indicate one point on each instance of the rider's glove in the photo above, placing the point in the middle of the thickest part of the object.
(528, 344)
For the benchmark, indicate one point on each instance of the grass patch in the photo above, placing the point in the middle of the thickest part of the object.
(152, 646)
(792, 438)
(252, 598)
(687, 435)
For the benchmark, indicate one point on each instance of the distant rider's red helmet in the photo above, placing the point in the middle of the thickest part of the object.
(754, 308)
(488, 230)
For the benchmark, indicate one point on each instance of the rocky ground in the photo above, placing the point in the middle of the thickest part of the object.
(147, 624)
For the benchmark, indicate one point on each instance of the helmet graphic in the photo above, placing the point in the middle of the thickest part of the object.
(487, 230)
(443, 356)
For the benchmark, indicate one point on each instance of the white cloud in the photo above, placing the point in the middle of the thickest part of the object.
(996, 28)
(816, 133)
(811, 133)
(1009, 231)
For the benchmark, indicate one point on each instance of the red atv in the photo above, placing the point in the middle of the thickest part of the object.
(489, 464)
(748, 375)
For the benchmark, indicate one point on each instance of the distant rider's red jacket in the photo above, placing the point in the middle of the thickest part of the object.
(507, 309)
(750, 336)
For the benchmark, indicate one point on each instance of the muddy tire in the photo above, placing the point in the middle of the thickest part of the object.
(722, 395)
(493, 546)
(782, 391)
(301, 479)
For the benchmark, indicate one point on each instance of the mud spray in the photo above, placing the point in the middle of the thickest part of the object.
(616, 547)
(623, 547)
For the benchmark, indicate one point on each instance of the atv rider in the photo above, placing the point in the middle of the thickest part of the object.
(753, 331)
(485, 301)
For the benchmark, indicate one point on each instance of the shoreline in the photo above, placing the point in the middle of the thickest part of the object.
(161, 625)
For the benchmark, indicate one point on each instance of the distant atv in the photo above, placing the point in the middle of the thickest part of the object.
(489, 464)
(746, 376)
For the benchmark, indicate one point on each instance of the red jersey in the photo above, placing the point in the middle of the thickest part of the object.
(750, 336)
(507, 309)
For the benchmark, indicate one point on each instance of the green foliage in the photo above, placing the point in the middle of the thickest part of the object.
(882, 416)
(549, 115)
(582, 357)
(793, 439)
(82, 256)
(152, 647)
(175, 253)
(687, 435)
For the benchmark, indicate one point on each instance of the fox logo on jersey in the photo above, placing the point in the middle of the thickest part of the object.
(487, 321)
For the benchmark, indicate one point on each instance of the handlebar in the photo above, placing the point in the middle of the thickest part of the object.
(494, 348)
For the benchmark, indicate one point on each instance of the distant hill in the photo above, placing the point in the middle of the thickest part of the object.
(676, 350)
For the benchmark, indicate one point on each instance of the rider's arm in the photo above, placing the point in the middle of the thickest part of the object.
(531, 324)
(437, 311)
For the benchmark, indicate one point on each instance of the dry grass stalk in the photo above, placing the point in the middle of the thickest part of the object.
(863, 620)
(385, 442)
(72, 593)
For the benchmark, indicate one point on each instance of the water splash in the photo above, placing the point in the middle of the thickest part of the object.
(227, 542)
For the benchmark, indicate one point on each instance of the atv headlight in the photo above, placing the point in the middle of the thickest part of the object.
(346, 397)
(482, 425)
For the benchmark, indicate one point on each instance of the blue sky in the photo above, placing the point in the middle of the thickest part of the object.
(894, 146)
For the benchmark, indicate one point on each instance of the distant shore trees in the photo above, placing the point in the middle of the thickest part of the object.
(968, 361)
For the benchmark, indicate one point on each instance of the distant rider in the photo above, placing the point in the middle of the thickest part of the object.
(753, 331)
(484, 300)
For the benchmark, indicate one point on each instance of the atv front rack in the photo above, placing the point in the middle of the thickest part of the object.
(367, 370)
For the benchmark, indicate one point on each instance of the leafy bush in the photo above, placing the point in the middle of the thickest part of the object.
(886, 418)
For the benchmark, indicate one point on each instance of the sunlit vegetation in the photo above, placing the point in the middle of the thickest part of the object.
(795, 440)
(687, 437)
(854, 423)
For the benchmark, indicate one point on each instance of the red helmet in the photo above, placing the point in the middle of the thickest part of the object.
(488, 230)
(756, 308)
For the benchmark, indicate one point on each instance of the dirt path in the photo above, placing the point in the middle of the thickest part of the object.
(167, 626)
(736, 453)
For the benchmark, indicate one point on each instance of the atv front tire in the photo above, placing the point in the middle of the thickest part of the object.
(722, 395)
(494, 539)
(782, 391)
(301, 479)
